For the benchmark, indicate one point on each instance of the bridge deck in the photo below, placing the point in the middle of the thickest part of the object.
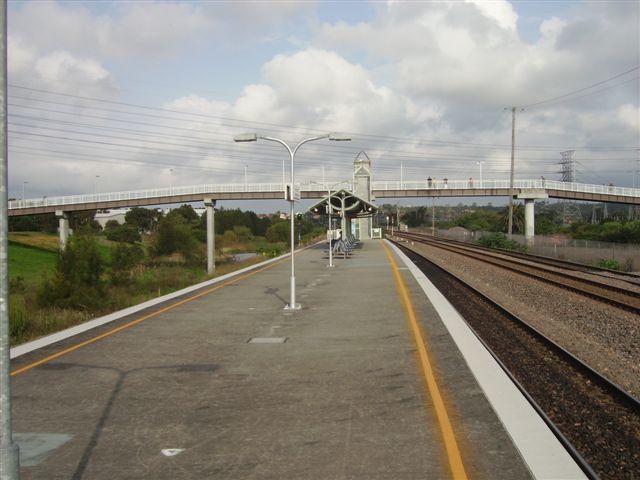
(343, 397)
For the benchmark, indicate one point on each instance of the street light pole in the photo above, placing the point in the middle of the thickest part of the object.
(253, 137)
(23, 184)
(480, 165)
(245, 178)
(9, 451)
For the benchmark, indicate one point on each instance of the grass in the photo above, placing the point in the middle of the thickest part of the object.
(30, 263)
(43, 241)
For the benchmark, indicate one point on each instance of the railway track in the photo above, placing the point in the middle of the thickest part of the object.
(626, 298)
(596, 420)
(629, 277)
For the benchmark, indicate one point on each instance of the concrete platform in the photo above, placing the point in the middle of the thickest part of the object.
(184, 395)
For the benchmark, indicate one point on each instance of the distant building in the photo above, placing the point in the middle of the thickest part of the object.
(116, 214)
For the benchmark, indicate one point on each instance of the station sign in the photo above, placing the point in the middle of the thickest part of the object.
(293, 192)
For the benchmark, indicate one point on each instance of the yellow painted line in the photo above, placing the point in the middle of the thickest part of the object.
(451, 445)
(138, 320)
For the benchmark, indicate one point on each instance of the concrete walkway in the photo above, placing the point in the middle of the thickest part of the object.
(183, 395)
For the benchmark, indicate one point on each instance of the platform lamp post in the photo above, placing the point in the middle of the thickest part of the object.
(329, 188)
(254, 137)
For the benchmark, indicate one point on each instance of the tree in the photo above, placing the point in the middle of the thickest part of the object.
(110, 225)
(122, 233)
(518, 218)
(415, 217)
(144, 219)
(84, 219)
(187, 212)
(278, 232)
(173, 234)
(479, 220)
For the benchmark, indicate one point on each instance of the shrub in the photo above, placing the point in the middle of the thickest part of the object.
(18, 316)
(123, 233)
(242, 233)
(17, 285)
(609, 263)
(77, 280)
(229, 237)
(499, 240)
(278, 232)
(123, 259)
(270, 251)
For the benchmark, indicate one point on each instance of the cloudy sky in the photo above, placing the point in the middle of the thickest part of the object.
(112, 96)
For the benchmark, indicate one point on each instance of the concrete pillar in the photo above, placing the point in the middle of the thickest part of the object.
(63, 228)
(529, 220)
(530, 196)
(211, 235)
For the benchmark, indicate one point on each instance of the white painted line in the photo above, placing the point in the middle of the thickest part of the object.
(171, 452)
(97, 322)
(544, 455)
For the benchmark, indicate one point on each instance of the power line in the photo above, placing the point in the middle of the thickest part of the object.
(581, 89)
(412, 140)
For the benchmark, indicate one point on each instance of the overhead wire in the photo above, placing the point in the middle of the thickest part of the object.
(226, 146)
(549, 100)
(268, 124)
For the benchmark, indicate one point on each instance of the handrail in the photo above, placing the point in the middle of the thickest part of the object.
(539, 184)
(205, 189)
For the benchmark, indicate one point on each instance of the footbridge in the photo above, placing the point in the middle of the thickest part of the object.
(362, 186)
(313, 190)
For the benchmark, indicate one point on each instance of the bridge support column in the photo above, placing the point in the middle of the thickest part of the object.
(211, 235)
(63, 228)
(529, 220)
(529, 197)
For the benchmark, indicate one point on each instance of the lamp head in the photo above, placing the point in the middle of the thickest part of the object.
(246, 137)
(339, 137)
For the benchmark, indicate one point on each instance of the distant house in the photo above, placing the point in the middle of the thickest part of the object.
(116, 214)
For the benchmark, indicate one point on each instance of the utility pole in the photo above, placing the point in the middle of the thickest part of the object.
(9, 451)
(512, 176)
(433, 216)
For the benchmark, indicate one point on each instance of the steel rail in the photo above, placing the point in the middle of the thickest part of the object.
(554, 262)
(521, 268)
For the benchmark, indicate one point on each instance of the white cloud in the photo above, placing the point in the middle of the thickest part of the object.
(156, 29)
(499, 10)
(62, 67)
(629, 116)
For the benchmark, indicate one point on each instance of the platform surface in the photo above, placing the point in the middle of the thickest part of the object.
(183, 395)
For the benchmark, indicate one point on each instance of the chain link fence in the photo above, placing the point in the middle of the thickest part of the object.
(589, 252)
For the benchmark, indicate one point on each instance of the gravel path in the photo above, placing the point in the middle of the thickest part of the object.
(603, 336)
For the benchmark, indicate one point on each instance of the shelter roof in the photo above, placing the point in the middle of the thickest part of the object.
(354, 206)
